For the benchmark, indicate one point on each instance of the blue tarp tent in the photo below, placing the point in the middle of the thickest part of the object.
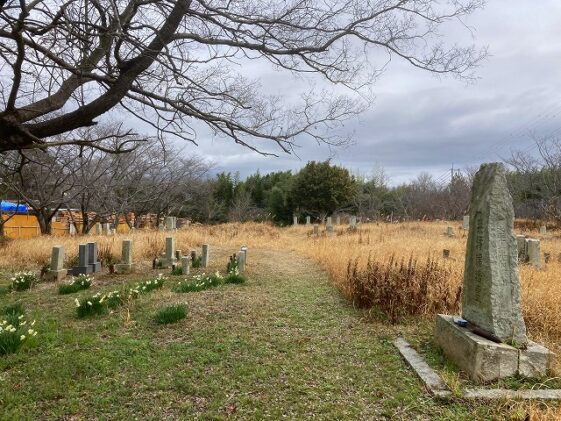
(11, 207)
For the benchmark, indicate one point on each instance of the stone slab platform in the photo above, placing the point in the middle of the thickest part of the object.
(438, 388)
(484, 360)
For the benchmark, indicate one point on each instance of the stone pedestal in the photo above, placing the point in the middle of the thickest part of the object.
(484, 360)
(55, 275)
(126, 265)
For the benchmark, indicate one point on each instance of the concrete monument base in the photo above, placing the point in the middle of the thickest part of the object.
(124, 268)
(55, 275)
(484, 360)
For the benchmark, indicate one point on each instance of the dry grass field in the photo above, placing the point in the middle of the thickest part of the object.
(541, 289)
(404, 259)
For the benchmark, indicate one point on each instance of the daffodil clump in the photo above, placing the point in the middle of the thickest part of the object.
(199, 283)
(23, 280)
(152, 284)
(78, 283)
(15, 330)
(101, 303)
(233, 272)
(90, 306)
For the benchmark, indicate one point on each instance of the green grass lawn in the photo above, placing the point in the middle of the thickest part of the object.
(282, 345)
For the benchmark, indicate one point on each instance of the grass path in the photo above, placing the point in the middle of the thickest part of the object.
(284, 345)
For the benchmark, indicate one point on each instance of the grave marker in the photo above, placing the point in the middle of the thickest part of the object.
(206, 256)
(56, 271)
(126, 264)
(83, 266)
(491, 291)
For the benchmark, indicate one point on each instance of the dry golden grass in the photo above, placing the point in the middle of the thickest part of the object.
(541, 290)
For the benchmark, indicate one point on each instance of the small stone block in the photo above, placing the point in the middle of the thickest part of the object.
(124, 268)
(535, 360)
(55, 275)
(482, 359)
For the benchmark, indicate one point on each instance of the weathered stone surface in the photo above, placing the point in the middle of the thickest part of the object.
(56, 271)
(466, 222)
(329, 230)
(92, 257)
(169, 259)
(206, 256)
(329, 221)
(543, 230)
(98, 230)
(482, 359)
(241, 262)
(352, 221)
(295, 220)
(185, 265)
(338, 220)
(491, 297)
(126, 264)
(534, 254)
(535, 360)
(308, 220)
(521, 246)
(450, 231)
(57, 258)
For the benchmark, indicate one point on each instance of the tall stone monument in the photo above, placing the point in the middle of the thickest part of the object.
(491, 282)
(493, 344)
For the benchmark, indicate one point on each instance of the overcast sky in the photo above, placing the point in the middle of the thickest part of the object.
(421, 123)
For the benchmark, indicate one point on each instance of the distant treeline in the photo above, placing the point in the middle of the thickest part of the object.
(321, 189)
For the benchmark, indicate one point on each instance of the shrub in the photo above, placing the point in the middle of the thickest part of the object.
(13, 329)
(90, 306)
(197, 261)
(402, 289)
(199, 283)
(171, 314)
(23, 280)
(77, 284)
(234, 278)
(177, 271)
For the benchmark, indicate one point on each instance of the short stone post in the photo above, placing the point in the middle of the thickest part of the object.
(105, 228)
(338, 220)
(98, 230)
(308, 220)
(329, 221)
(329, 230)
(446, 253)
(450, 232)
(294, 220)
(241, 263)
(126, 264)
(521, 248)
(178, 255)
(185, 265)
(543, 230)
(316, 229)
(534, 255)
(466, 223)
(206, 257)
(169, 223)
(243, 250)
(72, 229)
(56, 271)
(352, 222)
